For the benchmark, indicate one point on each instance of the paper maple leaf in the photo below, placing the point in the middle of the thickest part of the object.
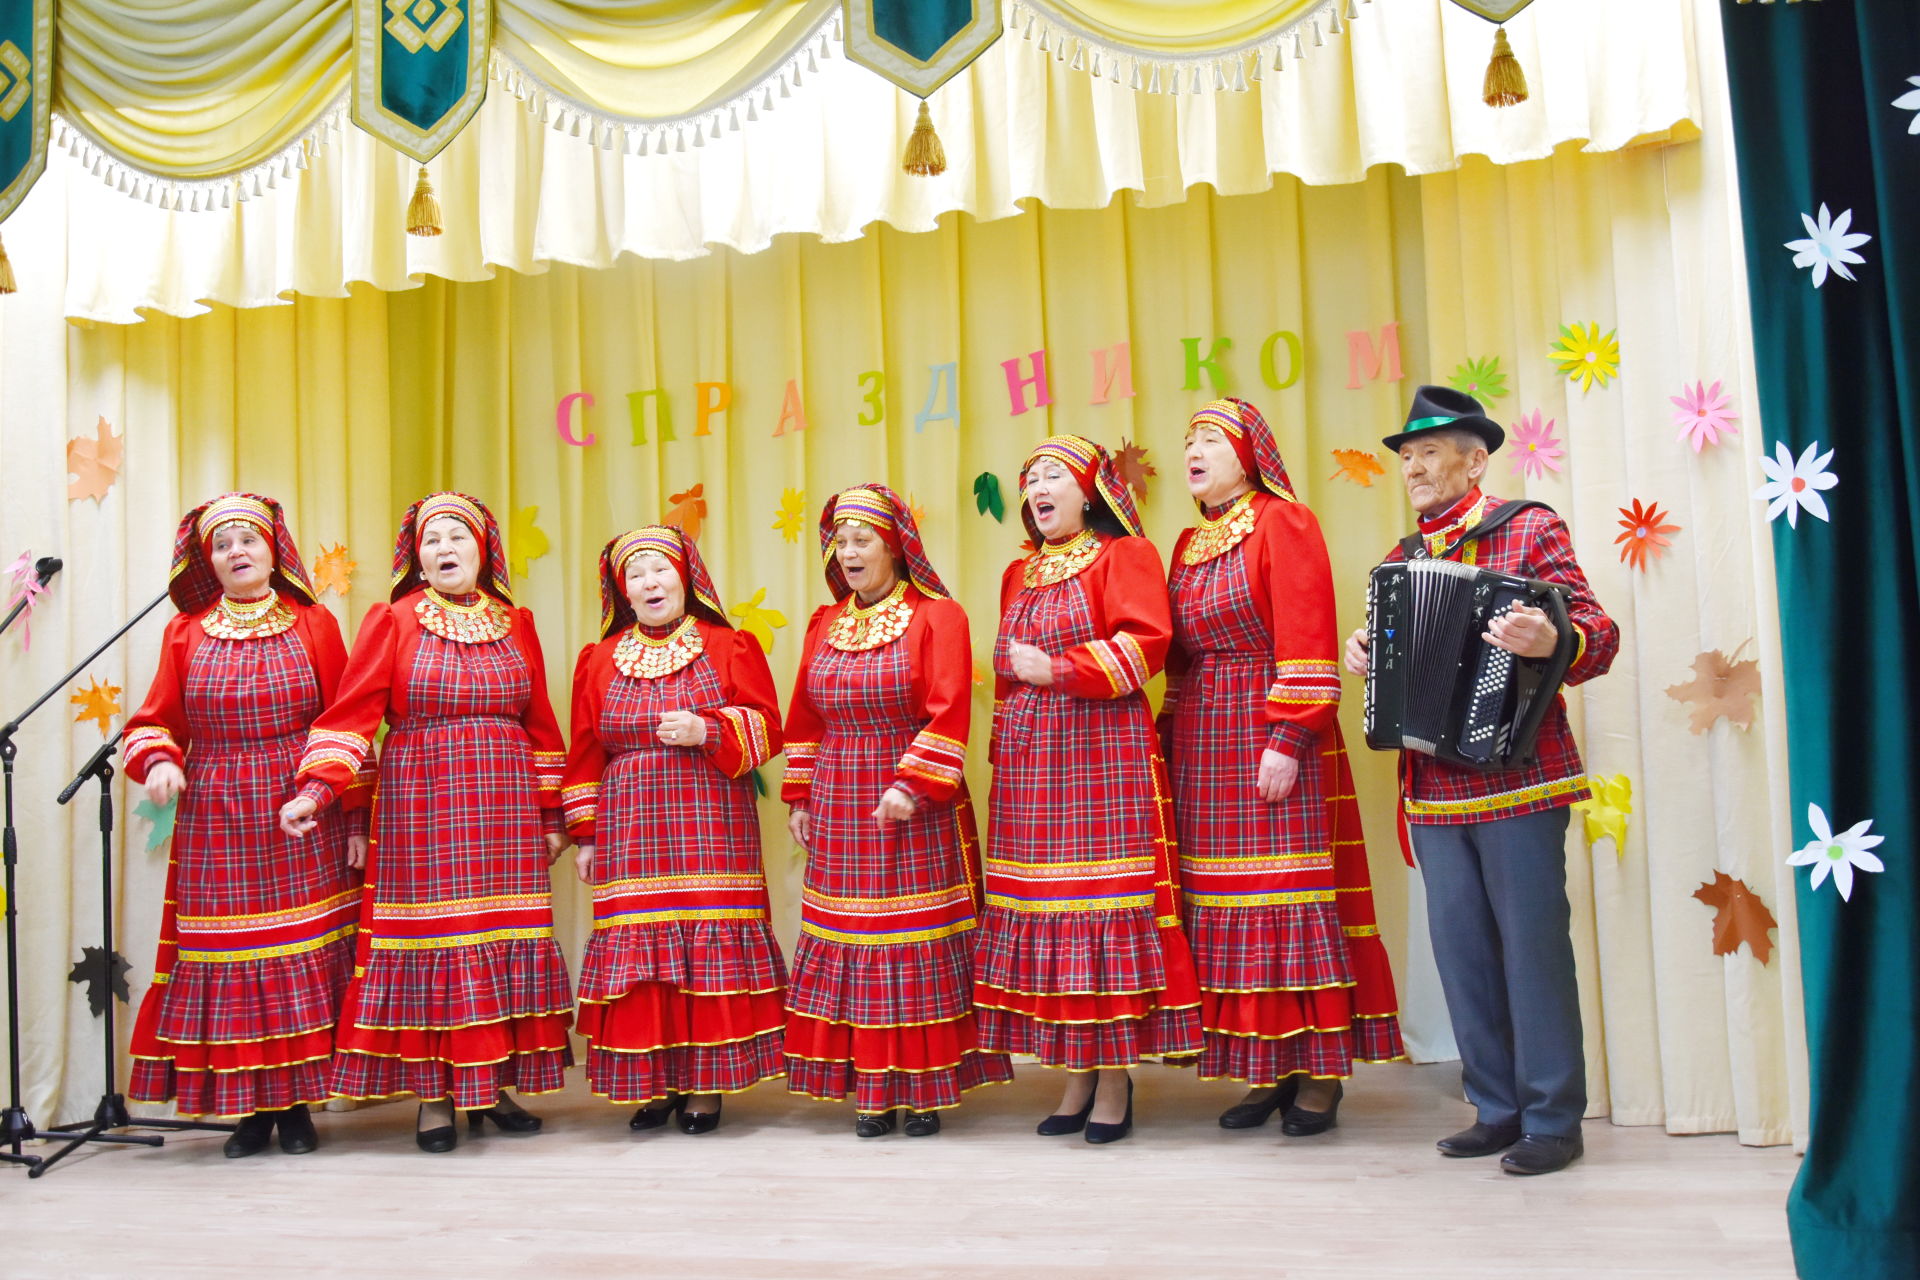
(1738, 916)
(333, 571)
(526, 542)
(688, 511)
(918, 512)
(1357, 465)
(792, 513)
(161, 816)
(757, 620)
(103, 973)
(1609, 802)
(94, 463)
(1720, 687)
(97, 702)
(1134, 468)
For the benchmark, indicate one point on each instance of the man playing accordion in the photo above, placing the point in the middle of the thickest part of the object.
(1491, 842)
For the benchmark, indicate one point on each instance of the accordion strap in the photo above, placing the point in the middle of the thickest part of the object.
(1414, 547)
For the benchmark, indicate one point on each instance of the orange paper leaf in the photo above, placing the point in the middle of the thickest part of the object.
(918, 512)
(1720, 687)
(97, 701)
(333, 571)
(1357, 465)
(1738, 916)
(688, 511)
(94, 463)
(1134, 468)
(1643, 537)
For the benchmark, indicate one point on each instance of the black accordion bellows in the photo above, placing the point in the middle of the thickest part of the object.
(1434, 685)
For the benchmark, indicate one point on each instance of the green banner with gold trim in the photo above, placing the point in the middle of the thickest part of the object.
(919, 44)
(26, 96)
(419, 69)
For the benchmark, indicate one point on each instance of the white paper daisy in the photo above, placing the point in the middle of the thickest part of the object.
(1829, 246)
(1910, 101)
(1836, 855)
(1793, 484)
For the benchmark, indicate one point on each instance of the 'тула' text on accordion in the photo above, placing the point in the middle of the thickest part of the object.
(1435, 685)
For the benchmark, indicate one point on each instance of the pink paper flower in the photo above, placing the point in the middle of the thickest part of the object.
(1704, 415)
(1535, 451)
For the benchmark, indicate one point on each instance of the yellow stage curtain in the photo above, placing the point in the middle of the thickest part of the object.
(348, 408)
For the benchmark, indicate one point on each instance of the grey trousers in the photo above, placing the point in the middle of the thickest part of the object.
(1497, 910)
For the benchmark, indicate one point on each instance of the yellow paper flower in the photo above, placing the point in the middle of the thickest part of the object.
(1606, 810)
(526, 541)
(1586, 356)
(758, 620)
(793, 510)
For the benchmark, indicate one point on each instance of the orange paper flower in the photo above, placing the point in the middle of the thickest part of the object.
(1643, 536)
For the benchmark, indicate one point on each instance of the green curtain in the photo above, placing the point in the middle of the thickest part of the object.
(1818, 93)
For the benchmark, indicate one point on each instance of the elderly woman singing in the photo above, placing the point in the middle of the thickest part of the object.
(460, 991)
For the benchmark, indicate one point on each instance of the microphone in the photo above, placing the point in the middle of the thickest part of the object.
(46, 566)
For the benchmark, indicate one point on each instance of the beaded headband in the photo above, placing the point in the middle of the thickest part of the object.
(234, 508)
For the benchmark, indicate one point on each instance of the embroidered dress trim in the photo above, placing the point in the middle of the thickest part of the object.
(482, 622)
(1056, 563)
(1440, 539)
(295, 931)
(858, 629)
(640, 656)
(247, 619)
(1215, 537)
(1504, 800)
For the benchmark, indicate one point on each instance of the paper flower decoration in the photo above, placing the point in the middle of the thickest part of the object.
(1836, 855)
(1703, 415)
(986, 496)
(1829, 246)
(1134, 468)
(24, 589)
(792, 513)
(1480, 378)
(525, 541)
(1586, 355)
(688, 510)
(1643, 537)
(1536, 451)
(94, 463)
(333, 571)
(1793, 484)
(757, 620)
(1723, 685)
(1738, 916)
(1910, 101)
(1357, 465)
(98, 702)
(1609, 802)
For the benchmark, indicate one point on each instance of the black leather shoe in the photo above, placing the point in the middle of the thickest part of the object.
(434, 1141)
(1099, 1133)
(1064, 1122)
(251, 1136)
(872, 1124)
(296, 1131)
(1479, 1140)
(1541, 1153)
(1302, 1123)
(701, 1121)
(921, 1124)
(1251, 1115)
(654, 1115)
(508, 1121)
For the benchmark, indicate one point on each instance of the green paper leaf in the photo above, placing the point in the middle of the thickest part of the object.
(759, 783)
(986, 496)
(161, 816)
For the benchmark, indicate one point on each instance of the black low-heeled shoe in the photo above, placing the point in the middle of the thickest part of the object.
(701, 1121)
(872, 1124)
(1301, 1123)
(434, 1141)
(1251, 1115)
(921, 1124)
(250, 1137)
(1098, 1132)
(297, 1136)
(508, 1121)
(1065, 1122)
(652, 1117)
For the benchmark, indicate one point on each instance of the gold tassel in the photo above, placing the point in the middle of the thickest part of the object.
(925, 155)
(1506, 83)
(7, 283)
(423, 211)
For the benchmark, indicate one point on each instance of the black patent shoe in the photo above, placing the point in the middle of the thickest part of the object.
(1065, 1122)
(654, 1116)
(1099, 1133)
(435, 1141)
(872, 1124)
(514, 1121)
(700, 1121)
(1541, 1153)
(296, 1131)
(1251, 1115)
(1302, 1123)
(921, 1124)
(250, 1137)
(1480, 1139)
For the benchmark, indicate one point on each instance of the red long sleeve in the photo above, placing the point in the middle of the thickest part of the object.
(1293, 582)
(586, 755)
(341, 741)
(940, 654)
(1128, 590)
(745, 733)
(157, 732)
(804, 725)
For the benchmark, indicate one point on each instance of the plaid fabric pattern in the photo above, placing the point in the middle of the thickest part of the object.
(635, 1079)
(1535, 544)
(248, 704)
(835, 1080)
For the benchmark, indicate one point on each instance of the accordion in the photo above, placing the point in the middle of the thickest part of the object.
(1434, 685)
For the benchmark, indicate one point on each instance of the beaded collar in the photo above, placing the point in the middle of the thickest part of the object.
(482, 622)
(640, 656)
(861, 628)
(1220, 534)
(247, 619)
(1057, 562)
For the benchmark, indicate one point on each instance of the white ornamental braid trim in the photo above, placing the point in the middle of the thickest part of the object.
(1220, 70)
(198, 195)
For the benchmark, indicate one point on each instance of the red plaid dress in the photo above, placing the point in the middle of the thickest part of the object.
(1081, 961)
(256, 940)
(681, 985)
(459, 989)
(1279, 902)
(880, 1002)
(1533, 544)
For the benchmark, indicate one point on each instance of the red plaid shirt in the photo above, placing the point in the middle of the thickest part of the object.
(1533, 544)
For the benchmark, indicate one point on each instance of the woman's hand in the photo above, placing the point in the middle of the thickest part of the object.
(557, 842)
(1524, 630)
(165, 782)
(895, 806)
(1278, 774)
(583, 862)
(297, 816)
(357, 852)
(1030, 663)
(681, 729)
(800, 827)
(1357, 651)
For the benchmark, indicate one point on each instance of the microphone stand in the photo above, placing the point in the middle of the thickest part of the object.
(15, 1125)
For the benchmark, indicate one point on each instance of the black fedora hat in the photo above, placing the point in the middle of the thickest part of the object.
(1444, 409)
